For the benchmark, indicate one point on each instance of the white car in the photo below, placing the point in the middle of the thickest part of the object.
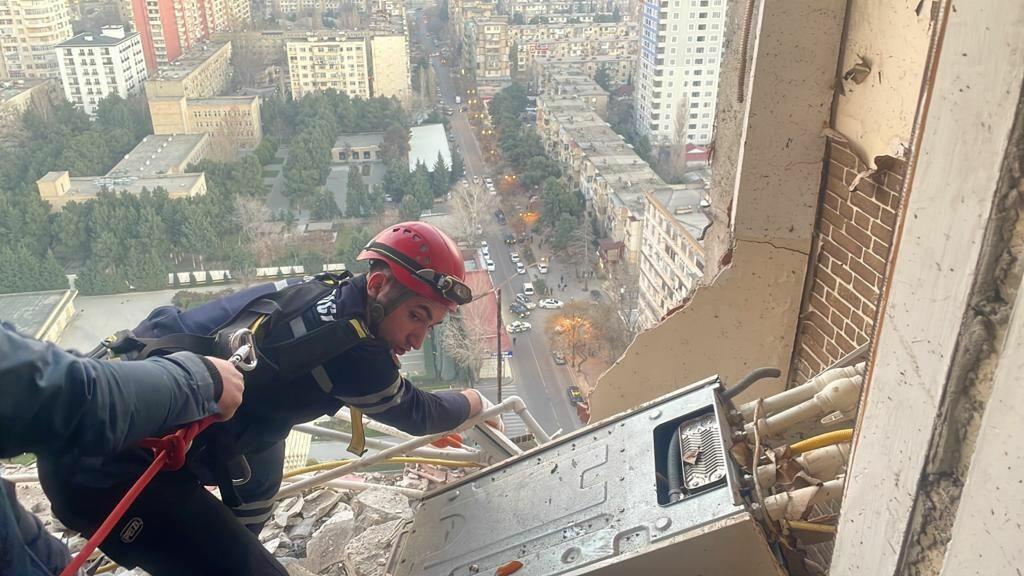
(514, 256)
(486, 252)
(489, 181)
(542, 267)
(520, 269)
(518, 326)
(476, 179)
(551, 304)
(483, 244)
(525, 301)
(490, 265)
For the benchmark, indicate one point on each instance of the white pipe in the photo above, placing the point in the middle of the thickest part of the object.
(822, 463)
(802, 393)
(345, 415)
(512, 402)
(17, 478)
(379, 444)
(356, 486)
(839, 395)
(791, 505)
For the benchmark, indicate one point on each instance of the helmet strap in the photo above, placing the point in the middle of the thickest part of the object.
(377, 311)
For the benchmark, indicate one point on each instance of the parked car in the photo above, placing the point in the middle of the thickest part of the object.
(575, 394)
(520, 269)
(483, 244)
(525, 301)
(542, 267)
(519, 310)
(476, 179)
(518, 327)
(550, 304)
(514, 256)
(490, 265)
(559, 358)
(510, 239)
(486, 252)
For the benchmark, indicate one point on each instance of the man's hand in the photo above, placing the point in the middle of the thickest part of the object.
(479, 403)
(234, 387)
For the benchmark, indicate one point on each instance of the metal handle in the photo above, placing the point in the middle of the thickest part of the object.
(244, 356)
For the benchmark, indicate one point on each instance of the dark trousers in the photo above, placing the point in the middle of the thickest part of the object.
(175, 528)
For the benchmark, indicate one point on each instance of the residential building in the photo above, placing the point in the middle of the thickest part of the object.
(29, 30)
(677, 70)
(156, 162)
(318, 64)
(203, 72)
(529, 9)
(586, 41)
(94, 66)
(569, 82)
(389, 57)
(486, 49)
(671, 251)
(618, 69)
(172, 28)
(233, 121)
(18, 96)
(289, 7)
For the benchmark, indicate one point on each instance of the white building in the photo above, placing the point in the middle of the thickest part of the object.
(94, 66)
(677, 69)
(29, 29)
(318, 64)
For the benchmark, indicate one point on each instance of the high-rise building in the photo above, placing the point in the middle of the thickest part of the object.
(486, 49)
(318, 64)
(29, 29)
(677, 69)
(94, 66)
(170, 28)
(389, 55)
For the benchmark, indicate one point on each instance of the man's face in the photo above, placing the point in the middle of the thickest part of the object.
(406, 326)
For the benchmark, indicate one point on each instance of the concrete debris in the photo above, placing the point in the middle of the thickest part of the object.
(325, 547)
(367, 554)
(377, 506)
(287, 510)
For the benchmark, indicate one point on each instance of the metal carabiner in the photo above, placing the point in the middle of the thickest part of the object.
(244, 355)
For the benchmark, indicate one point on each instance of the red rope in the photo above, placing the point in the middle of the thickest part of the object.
(170, 454)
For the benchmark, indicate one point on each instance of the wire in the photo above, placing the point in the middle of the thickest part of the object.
(753, 469)
(822, 440)
(396, 460)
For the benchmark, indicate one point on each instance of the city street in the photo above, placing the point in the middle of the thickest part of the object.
(541, 383)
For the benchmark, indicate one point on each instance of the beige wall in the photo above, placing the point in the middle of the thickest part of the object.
(390, 56)
(169, 115)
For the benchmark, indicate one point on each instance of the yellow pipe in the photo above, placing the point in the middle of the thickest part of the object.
(396, 460)
(826, 439)
(811, 527)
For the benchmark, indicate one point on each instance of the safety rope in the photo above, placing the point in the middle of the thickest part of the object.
(169, 454)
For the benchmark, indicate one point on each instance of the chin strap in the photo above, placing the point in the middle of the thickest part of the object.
(377, 311)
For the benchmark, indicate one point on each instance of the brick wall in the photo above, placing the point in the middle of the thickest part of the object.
(851, 244)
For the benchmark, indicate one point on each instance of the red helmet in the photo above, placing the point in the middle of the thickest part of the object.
(424, 260)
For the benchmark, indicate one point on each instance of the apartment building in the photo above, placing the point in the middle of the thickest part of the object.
(486, 49)
(618, 69)
(571, 40)
(29, 30)
(172, 28)
(156, 162)
(289, 7)
(203, 72)
(672, 251)
(677, 69)
(19, 96)
(571, 82)
(318, 64)
(529, 9)
(389, 58)
(94, 66)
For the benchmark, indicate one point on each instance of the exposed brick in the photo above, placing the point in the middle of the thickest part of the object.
(821, 323)
(894, 181)
(841, 272)
(888, 217)
(861, 339)
(818, 303)
(818, 289)
(883, 197)
(869, 206)
(834, 251)
(833, 351)
(833, 217)
(861, 220)
(823, 276)
(813, 335)
(848, 177)
(857, 320)
(835, 185)
(863, 272)
(881, 232)
(837, 305)
(850, 297)
(867, 291)
(850, 331)
(845, 210)
(880, 249)
(832, 201)
(843, 156)
(847, 243)
(824, 228)
(845, 344)
(874, 262)
(869, 311)
(866, 187)
(823, 259)
(816, 351)
(862, 237)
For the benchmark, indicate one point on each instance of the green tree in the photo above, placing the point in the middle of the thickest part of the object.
(439, 178)
(358, 203)
(458, 168)
(559, 201)
(410, 208)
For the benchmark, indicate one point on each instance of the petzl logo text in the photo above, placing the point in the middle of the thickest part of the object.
(131, 530)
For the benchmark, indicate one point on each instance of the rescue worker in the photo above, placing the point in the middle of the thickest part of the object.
(55, 402)
(340, 348)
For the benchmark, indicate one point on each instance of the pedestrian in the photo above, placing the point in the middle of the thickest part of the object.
(57, 403)
(513, 340)
(331, 342)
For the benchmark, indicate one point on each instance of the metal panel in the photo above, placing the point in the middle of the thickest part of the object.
(580, 503)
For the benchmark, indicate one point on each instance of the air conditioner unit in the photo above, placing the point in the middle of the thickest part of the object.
(597, 502)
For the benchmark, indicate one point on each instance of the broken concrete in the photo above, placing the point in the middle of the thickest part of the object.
(367, 554)
(328, 542)
(377, 506)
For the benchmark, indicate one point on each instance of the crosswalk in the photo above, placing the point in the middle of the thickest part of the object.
(513, 424)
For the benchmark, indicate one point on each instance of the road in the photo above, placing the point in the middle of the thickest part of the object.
(541, 383)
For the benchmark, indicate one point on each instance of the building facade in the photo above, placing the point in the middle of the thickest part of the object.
(171, 28)
(318, 64)
(586, 41)
(94, 66)
(486, 49)
(29, 30)
(389, 55)
(677, 70)
(203, 72)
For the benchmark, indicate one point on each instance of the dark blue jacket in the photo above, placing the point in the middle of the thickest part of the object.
(52, 402)
(366, 377)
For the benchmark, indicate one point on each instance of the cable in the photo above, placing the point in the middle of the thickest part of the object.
(746, 381)
(822, 440)
(396, 460)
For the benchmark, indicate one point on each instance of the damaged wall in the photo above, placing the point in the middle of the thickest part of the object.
(747, 316)
(883, 64)
(934, 482)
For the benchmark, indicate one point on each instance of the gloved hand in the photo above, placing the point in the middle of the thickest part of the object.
(479, 403)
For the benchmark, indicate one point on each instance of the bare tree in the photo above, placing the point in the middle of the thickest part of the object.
(470, 337)
(472, 208)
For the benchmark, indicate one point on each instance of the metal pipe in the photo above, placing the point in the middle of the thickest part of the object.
(791, 505)
(513, 402)
(379, 444)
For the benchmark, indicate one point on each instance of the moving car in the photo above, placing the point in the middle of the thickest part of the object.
(525, 301)
(575, 394)
(559, 358)
(542, 267)
(518, 326)
(550, 304)
(514, 256)
(489, 264)
(520, 269)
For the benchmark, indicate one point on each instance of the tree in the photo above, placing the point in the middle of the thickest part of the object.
(439, 178)
(470, 210)
(410, 208)
(324, 207)
(603, 78)
(395, 144)
(357, 196)
(559, 201)
(458, 168)
(397, 181)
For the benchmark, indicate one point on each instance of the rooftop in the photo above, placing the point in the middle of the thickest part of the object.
(88, 187)
(223, 100)
(9, 89)
(425, 144)
(687, 204)
(359, 140)
(29, 311)
(189, 62)
(157, 155)
(89, 39)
